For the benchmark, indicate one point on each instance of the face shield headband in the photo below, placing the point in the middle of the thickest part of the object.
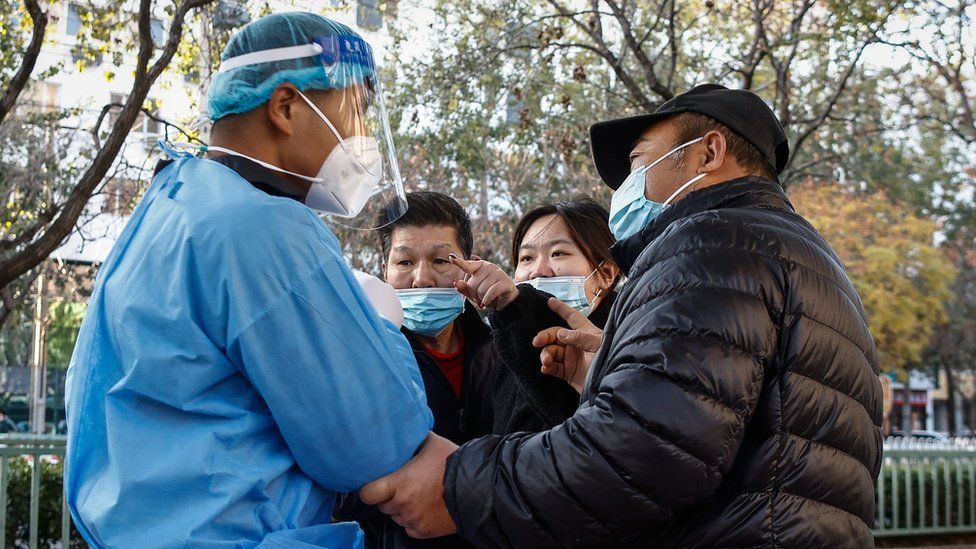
(360, 178)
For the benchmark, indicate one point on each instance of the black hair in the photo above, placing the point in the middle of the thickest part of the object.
(588, 224)
(691, 125)
(427, 208)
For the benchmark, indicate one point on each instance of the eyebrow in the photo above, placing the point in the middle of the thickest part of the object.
(549, 244)
(405, 248)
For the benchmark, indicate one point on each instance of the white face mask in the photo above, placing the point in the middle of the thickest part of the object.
(347, 178)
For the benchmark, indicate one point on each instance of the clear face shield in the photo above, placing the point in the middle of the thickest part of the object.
(358, 184)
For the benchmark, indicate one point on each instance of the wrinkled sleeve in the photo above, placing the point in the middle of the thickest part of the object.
(655, 436)
(341, 383)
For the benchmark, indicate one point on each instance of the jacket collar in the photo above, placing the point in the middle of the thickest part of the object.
(744, 192)
(600, 315)
(262, 178)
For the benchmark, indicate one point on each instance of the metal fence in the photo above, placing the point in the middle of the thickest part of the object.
(36, 450)
(925, 488)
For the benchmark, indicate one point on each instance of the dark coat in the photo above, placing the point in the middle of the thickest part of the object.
(522, 397)
(453, 420)
(735, 400)
(461, 421)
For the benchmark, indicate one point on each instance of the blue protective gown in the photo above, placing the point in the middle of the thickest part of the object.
(231, 376)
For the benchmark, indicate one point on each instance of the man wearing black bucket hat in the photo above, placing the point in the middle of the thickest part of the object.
(734, 400)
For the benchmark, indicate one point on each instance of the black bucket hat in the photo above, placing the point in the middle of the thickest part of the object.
(742, 111)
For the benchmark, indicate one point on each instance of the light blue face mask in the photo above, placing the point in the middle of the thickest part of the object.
(571, 290)
(427, 311)
(630, 210)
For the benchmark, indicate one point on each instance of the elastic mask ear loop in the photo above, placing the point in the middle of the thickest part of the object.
(260, 163)
(683, 187)
(674, 150)
(597, 268)
(335, 132)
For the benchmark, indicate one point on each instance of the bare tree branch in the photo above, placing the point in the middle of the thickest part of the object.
(963, 109)
(35, 252)
(645, 62)
(9, 303)
(760, 11)
(600, 47)
(25, 236)
(831, 103)
(20, 78)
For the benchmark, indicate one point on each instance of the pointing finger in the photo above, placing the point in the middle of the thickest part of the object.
(565, 312)
(586, 341)
(574, 318)
(546, 337)
(469, 267)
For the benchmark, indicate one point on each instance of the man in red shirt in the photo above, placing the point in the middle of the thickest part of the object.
(451, 342)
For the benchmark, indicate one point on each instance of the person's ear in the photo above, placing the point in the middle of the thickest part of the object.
(608, 272)
(283, 107)
(716, 148)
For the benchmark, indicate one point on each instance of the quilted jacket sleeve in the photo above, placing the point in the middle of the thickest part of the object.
(677, 380)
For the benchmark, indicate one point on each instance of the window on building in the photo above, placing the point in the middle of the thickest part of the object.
(231, 14)
(152, 128)
(121, 196)
(118, 101)
(368, 14)
(148, 128)
(157, 31)
(74, 20)
(77, 56)
(39, 97)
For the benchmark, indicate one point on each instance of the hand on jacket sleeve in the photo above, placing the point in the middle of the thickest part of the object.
(413, 496)
(654, 437)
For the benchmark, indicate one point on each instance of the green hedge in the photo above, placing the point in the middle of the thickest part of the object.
(931, 504)
(49, 516)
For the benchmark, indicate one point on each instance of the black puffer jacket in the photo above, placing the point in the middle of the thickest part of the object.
(735, 401)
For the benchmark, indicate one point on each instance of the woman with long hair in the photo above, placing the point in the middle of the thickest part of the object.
(559, 250)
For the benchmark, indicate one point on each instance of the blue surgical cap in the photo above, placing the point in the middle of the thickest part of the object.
(245, 88)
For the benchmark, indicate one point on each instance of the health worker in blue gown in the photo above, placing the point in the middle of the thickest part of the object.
(231, 375)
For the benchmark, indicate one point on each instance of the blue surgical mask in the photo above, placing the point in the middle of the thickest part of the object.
(427, 311)
(571, 290)
(630, 210)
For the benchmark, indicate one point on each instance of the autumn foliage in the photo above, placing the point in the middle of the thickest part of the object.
(890, 253)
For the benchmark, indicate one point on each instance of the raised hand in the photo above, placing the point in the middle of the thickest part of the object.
(486, 284)
(414, 495)
(568, 353)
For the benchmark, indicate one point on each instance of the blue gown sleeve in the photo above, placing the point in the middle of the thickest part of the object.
(340, 381)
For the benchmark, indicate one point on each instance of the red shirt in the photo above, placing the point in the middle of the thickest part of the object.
(451, 364)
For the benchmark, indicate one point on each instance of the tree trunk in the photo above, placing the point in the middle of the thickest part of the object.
(906, 407)
(950, 402)
(972, 414)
